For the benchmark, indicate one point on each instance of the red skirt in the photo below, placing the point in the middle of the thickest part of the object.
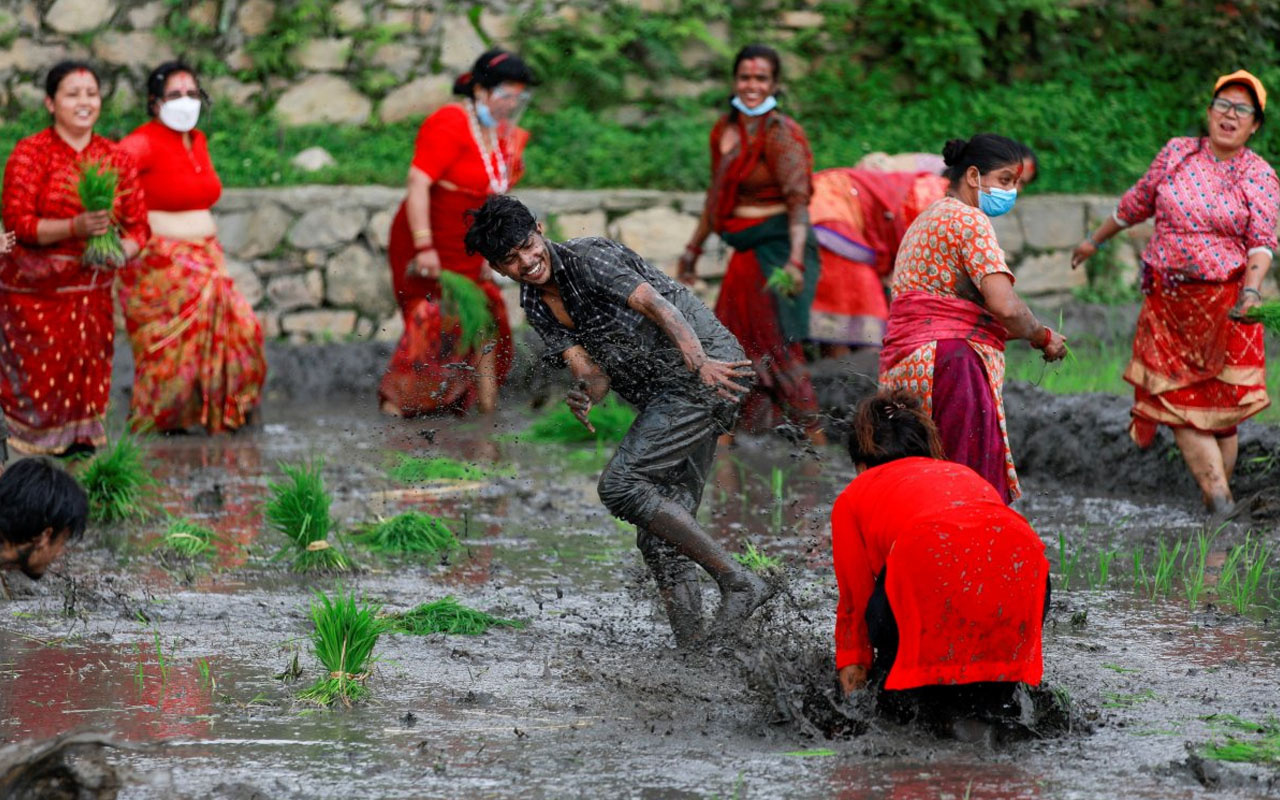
(1193, 366)
(56, 343)
(197, 345)
(849, 307)
(427, 374)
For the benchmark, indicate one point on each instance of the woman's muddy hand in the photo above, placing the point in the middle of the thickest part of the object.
(7, 241)
(1083, 252)
(579, 402)
(797, 279)
(720, 376)
(425, 264)
(1249, 298)
(1056, 348)
(91, 223)
(853, 678)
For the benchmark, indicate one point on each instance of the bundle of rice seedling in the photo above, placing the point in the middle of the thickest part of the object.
(299, 508)
(96, 187)
(756, 560)
(118, 482)
(412, 469)
(412, 532)
(1268, 314)
(610, 418)
(447, 616)
(187, 538)
(464, 300)
(346, 631)
(782, 282)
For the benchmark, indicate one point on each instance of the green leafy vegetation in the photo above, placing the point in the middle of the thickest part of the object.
(187, 538)
(782, 283)
(118, 482)
(610, 417)
(756, 560)
(414, 469)
(1268, 314)
(464, 300)
(411, 533)
(449, 616)
(1261, 747)
(346, 631)
(96, 187)
(299, 508)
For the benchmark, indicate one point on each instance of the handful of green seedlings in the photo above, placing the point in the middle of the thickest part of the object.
(610, 418)
(1267, 314)
(448, 616)
(346, 631)
(186, 538)
(119, 484)
(781, 282)
(412, 533)
(463, 299)
(299, 508)
(96, 187)
(756, 560)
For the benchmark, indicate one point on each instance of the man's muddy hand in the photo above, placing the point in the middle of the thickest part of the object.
(579, 402)
(852, 678)
(720, 376)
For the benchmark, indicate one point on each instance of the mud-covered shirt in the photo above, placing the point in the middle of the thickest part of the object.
(596, 276)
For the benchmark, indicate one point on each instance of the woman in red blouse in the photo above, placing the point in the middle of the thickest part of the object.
(761, 170)
(941, 584)
(197, 346)
(465, 152)
(55, 312)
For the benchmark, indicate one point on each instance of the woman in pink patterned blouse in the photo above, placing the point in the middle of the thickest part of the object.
(1198, 365)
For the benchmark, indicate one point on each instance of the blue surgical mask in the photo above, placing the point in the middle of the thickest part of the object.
(485, 115)
(995, 201)
(769, 104)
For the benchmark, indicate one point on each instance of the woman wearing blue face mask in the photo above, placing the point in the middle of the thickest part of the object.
(954, 307)
(465, 152)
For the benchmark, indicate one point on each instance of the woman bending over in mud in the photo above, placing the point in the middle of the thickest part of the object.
(943, 588)
(954, 307)
(1198, 365)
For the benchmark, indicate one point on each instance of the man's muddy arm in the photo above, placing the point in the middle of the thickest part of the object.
(716, 374)
(587, 373)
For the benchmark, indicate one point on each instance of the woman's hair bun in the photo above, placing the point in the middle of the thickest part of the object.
(953, 150)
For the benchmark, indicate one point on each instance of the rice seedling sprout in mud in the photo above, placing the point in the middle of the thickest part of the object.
(96, 187)
(447, 615)
(414, 469)
(186, 538)
(119, 483)
(1165, 568)
(1242, 573)
(413, 532)
(756, 560)
(1194, 558)
(1262, 746)
(1099, 577)
(464, 300)
(299, 508)
(611, 418)
(1068, 561)
(346, 631)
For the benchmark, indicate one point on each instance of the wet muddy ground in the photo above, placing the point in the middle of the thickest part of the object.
(591, 699)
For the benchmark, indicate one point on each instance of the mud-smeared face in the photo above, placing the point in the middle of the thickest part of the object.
(529, 262)
(34, 557)
(1232, 118)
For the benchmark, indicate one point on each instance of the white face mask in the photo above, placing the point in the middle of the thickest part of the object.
(181, 114)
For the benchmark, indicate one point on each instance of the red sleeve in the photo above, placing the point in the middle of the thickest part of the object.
(856, 578)
(790, 161)
(440, 141)
(23, 180)
(131, 205)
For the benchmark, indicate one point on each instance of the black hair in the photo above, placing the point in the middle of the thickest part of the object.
(1025, 153)
(986, 151)
(64, 68)
(889, 425)
(493, 68)
(36, 494)
(499, 226)
(159, 76)
(1258, 114)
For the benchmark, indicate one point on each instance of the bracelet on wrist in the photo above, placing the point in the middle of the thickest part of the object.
(1045, 337)
(1251, 291)
(422, 248)
(1097, 245)
(693, 249)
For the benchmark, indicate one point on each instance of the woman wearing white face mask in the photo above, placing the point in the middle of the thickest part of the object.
(197, 346)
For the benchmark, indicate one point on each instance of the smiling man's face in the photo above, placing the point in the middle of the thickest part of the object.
(528, 262)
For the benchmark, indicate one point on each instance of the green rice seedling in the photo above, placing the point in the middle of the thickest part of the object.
(187, 538)
(1242, 574)
(119, 483)
(1140, 581)
(610, 417)
(1165, 567)
(1268, 314)
(346, 631)
(412, 469)
(1099, 577)
(464, 300)
(1121, 700)
(1068, 562)
(781, 282)
(447, 616)
(299, 508)
(96, 186)
(1193, 567)
(778, 489)
(1262, 748)
(756, 560)
(413, 533)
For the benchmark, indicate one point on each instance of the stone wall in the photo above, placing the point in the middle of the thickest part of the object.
(312, 259)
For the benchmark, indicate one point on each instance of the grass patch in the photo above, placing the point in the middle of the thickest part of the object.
(412, 532)
(186, 538)
(611, 418)
(346, 631)
(119, 483)
(299, 508)
(413, 469)
(1262, 748)
(756, 560)
(449, 616)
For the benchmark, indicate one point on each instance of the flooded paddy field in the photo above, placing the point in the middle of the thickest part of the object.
(193, 663)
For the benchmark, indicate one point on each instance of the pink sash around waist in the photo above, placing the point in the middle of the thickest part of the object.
(917, 318)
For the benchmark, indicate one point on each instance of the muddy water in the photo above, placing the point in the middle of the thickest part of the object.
(590, 699)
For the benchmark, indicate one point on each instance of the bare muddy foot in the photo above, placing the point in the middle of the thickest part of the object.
(740, 602)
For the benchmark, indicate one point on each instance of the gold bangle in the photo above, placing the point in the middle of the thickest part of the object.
(418, 234)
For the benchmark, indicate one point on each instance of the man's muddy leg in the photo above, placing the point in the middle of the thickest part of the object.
(677, 579)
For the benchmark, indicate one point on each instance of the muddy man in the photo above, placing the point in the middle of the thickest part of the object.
(41, 509)
(618, 323)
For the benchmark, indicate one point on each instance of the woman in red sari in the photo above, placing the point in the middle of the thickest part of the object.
(197, 346)
(55, 311)
(1198, 365)
(761, 170)
(465, 152)
(943, 588)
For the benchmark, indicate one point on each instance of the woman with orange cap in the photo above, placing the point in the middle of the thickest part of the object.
(1198, 364)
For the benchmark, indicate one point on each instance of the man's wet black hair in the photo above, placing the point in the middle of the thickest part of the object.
(493, 68)
(161, 75)
(891, 425)
(61, 70)
(499, 226)
(986, 151)
(36, 494)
